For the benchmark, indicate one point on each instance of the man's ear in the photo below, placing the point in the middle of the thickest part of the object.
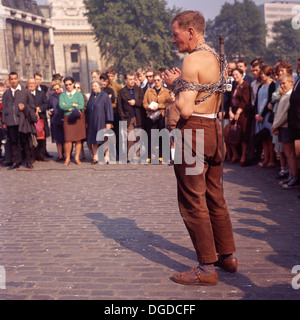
(191, 32)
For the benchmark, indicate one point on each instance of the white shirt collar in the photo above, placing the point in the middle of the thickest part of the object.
(17, 88)
(73, 92)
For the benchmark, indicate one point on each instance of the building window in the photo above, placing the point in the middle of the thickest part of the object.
(26, 51)
(16, 48)
(75, 53)
(47, 74)
(37, 52)
(76, 76)
(46, 53)
(28, 70)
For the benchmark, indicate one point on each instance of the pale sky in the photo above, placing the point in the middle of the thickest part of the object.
(210, 8)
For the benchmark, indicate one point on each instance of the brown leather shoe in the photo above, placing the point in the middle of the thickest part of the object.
(194, 277)
(229, 265)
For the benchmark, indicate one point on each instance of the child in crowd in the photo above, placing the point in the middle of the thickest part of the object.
(280, 128)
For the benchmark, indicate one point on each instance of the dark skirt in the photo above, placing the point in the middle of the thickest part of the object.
(285, 135)
(57, 132)
(76, 131)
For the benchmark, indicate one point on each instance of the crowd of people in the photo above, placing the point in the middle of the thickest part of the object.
(260, 128)
(261, 115)
(32, 113)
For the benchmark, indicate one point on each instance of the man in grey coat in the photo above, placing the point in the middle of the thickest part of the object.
(18, 118)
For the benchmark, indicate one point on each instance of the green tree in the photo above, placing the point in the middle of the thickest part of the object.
(241, 26)
(285, 44)
(133, 33)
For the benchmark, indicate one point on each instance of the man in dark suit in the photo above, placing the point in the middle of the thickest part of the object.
(18, 117)
(38, 79)
(242, 64)
(294, 110)
(42, 105)
(129, 105)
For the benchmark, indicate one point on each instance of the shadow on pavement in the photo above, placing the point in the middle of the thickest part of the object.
(126, 233)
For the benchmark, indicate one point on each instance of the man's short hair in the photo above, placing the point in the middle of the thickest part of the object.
(255, 64)
(242, 61)
(111, 70)
(104, 77)
(38, 74)
(190, 18)
(130, 74)
(157, 74)
(140, 71)
(96, 71)
(13, 73)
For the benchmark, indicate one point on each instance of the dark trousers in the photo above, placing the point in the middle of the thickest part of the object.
(200, 197)
(15, 137)
(39, 153)
(116, 129)
(158, 124)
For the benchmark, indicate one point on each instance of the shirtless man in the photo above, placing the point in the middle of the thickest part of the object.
(200, 197)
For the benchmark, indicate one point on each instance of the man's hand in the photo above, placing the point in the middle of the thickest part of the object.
(21, 106)
(171, 75)
(131, 102)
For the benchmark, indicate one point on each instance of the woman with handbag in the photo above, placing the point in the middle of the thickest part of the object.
(240, 101)
(72, 103)
(262, 114)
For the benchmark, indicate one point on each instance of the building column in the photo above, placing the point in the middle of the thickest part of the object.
(84, 69)
(68, 65)
(4, 67)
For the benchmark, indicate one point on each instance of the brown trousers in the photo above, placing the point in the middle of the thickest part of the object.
(200, 197)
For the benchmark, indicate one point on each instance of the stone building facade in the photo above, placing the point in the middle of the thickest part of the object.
(25, 40)
(76, 51)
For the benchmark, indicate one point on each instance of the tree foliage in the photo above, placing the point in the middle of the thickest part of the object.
(241, 25)
(285, 44)
(133, 33)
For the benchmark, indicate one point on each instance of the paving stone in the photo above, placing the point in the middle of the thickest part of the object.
(114, 232)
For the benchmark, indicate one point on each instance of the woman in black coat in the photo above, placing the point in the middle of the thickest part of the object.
(57, 118)
(99, 115)
(239, 104)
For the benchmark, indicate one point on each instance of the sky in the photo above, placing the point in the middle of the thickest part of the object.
(210, 8)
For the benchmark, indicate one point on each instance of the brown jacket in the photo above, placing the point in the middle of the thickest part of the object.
(163, 98)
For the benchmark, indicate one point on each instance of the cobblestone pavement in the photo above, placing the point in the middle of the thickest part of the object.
(113, 232)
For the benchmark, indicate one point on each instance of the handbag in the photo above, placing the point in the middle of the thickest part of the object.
(74, 116)
(155, 115)
(39, 126)
(232, 134)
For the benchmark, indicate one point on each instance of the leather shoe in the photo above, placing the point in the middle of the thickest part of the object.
(14, 166)
(229, 265)
(194, 277)
(29, 165)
